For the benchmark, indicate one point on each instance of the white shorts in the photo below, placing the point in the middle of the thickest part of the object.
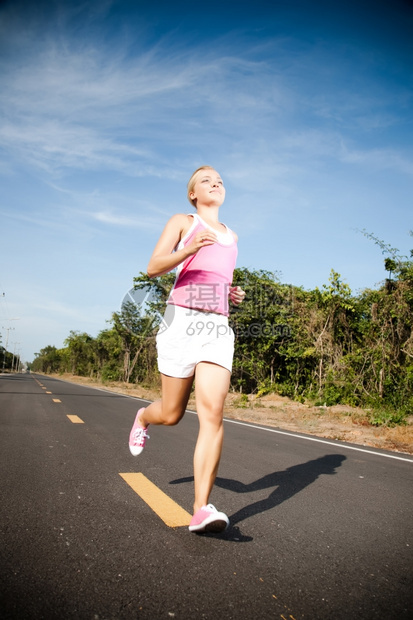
(187, 337)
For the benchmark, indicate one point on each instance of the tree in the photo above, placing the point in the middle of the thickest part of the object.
(80, 353)
(133, 331)
(48, 360)
(326, 345)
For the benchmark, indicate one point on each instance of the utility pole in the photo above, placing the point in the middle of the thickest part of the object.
(15, 356)
(7, 339)
(7, 342)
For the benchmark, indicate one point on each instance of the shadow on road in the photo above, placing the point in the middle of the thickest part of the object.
(285, 484)
(288, 483)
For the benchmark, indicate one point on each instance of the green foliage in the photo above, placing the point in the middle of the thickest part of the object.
(79, 355)
(326, 346)
(6, 360)
(49, 360)
(384, 417)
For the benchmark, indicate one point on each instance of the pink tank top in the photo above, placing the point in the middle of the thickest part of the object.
(203, 280)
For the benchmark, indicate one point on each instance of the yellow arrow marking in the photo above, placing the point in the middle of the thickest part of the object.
(169, 511)
(75, 419)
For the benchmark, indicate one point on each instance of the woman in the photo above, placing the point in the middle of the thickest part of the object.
(198, 342)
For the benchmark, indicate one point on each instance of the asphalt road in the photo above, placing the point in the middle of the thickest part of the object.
(318, 529)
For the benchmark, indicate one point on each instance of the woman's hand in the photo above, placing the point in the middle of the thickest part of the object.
(201, 239)
(236, 295)
(166, 256)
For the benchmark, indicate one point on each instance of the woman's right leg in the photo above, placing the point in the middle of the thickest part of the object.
(171, 408)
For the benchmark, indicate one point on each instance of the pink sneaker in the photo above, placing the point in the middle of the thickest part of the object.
(208, 519)
(138, 436)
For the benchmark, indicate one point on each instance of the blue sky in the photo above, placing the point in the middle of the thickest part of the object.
(106, 108)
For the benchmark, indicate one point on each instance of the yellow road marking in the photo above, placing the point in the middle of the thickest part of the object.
(44, 388)
(75, 419)
(169, 511)
(56, 400)
(48, 392)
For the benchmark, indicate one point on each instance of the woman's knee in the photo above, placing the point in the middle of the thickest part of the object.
(211, 414)
(172, 415)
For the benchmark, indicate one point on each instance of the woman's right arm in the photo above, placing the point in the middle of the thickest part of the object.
(164, 259)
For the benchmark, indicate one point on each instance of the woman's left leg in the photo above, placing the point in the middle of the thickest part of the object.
(211, 388)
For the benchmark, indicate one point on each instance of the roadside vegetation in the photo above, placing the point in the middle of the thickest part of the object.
(322, 347)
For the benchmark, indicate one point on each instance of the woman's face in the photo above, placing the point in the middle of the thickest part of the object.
(208, 188)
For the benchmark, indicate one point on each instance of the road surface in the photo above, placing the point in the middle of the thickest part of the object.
(319, 529)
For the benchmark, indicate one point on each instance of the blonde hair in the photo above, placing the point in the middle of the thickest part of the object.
(193, 180)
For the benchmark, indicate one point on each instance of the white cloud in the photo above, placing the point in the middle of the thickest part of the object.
(142, 222)
(379, 159)
(52, 145)
(100, 132)
(90, 108)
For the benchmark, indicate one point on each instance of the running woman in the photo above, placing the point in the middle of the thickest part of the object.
(198, 343)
